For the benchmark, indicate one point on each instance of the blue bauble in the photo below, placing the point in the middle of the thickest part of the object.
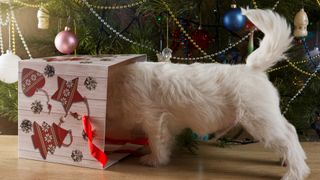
(233, 20)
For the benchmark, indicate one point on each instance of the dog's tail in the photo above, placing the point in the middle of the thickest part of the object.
(277, 38)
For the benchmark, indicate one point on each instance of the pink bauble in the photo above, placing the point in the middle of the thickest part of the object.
(66, 41)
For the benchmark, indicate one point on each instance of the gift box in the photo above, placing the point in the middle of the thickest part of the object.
(63, 110)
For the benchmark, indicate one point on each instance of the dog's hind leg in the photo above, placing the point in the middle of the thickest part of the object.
(276, 133)
(160, 139)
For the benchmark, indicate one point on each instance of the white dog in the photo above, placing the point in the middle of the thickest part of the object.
(164, 98)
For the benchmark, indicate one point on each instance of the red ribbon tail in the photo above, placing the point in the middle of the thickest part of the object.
(94, 150)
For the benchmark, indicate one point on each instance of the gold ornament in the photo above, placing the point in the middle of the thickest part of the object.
(300, 24)
(43, 18)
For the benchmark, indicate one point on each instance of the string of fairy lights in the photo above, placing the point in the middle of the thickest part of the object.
(93, 9)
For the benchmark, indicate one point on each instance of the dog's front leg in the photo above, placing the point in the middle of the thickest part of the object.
(160, 141)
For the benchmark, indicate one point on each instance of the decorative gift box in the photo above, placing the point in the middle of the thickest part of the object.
(63, 107)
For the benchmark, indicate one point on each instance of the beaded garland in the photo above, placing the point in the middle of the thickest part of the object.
(114, 7)
(21, 3)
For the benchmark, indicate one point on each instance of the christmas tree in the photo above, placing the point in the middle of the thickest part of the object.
(195, 31)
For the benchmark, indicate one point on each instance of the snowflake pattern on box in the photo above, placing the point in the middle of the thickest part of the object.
(36, 107)
(90, 83)
(26, 126)
(49, 71)
(76, 155)
(47, 138)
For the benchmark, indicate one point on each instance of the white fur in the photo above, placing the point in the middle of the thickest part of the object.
(164, 98)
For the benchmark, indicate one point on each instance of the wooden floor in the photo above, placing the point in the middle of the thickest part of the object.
(234, 162)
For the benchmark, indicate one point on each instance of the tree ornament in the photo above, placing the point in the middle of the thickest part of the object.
(66, 41)
(9, 67)
(202, 38)
(251, 43)
(249, 25)
(43, 18)
(159, 18)
(300, 24)
(233, 20)
(166, 53)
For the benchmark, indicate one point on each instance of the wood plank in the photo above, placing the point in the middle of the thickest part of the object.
(60, 160)
(233, 162)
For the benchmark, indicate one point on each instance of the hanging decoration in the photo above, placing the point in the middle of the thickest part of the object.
(66, 41)
(43, 18)
(301, 22)
(233, 20)
(251, 27)
(206, 56)
(9, 67)
(9, 61)
(202, 38)
(166, 53)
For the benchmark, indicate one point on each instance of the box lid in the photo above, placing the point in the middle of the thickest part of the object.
(100, 60)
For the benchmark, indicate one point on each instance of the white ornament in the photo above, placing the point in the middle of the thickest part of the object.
(9, 67)
(300, 24)
(43, 18)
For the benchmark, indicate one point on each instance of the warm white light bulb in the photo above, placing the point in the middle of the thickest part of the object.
(9, 67)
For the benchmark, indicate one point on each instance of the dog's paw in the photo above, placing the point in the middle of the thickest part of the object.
(149, 160)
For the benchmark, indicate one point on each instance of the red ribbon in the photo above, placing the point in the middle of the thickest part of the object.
(94, 150)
